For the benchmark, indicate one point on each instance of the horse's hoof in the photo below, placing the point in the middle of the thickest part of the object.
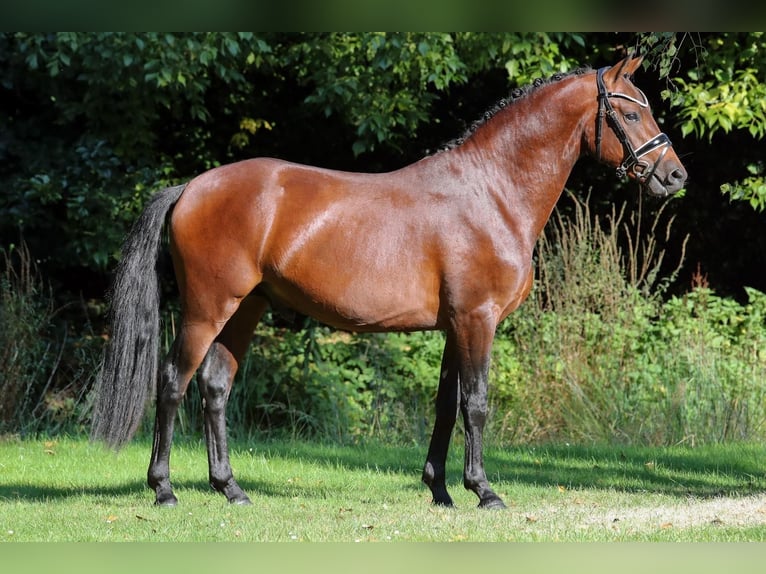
(492, 503)
(441, 498)
(240, 500)
(442, 503)
(167, 501)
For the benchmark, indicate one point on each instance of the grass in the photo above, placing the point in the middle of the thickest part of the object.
(70, 490)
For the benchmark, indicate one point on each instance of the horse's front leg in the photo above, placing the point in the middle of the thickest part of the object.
(475, 333)
(434, 471)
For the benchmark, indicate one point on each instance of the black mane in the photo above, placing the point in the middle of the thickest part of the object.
(515, 95)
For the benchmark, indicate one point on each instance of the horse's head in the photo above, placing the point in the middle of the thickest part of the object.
(632, 141)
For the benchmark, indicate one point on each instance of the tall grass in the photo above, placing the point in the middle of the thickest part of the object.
(44, 375)
(601, 356)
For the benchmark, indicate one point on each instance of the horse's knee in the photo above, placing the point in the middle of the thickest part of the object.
(474, 479)
(215, 380)
(171, 390)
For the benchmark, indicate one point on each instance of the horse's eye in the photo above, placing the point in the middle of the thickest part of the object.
(631, 117)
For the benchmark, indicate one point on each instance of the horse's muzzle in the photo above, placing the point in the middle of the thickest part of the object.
(659, 186)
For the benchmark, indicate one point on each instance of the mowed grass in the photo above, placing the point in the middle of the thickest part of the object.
(71, 490)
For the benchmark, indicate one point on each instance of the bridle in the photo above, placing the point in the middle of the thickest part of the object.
(632, 161)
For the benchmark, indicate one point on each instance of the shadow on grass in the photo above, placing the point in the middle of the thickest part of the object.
(41, 493)
(733, 470)
(710, 471)
(134, 489)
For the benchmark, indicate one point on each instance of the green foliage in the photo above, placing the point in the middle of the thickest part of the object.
(525, 56)
(315, 382)
(88, 113)
(725, 91)
(384, 84)
(711, 385)
(728, 92)
(602, 357)
(751, 189)
(378, 82)
(24, 317)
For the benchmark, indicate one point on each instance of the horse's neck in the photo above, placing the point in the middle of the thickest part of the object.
(527, 151)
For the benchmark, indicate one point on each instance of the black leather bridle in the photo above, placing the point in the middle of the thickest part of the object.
(632, 159)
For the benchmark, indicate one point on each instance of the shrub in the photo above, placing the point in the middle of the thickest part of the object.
(320, 383)
(602, 358)
(24, 318)
(712, 360)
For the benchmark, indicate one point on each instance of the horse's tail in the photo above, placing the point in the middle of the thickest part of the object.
(130, 364)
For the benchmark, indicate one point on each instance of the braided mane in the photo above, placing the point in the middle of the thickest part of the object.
(515, 95)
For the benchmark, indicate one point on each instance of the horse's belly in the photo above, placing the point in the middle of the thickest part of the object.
(364, 305)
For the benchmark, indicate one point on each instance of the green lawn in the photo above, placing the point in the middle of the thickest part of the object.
(71, 490)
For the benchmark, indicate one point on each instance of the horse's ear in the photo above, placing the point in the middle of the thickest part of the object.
(624, 68)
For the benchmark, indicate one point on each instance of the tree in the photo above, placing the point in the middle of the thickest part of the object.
(95, 122)
(724, 90)
(86, 113)
(98, 121)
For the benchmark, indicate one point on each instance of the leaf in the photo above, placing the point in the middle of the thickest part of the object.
(359, 147)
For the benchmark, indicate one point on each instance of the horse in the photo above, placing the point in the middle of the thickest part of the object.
(445, 243)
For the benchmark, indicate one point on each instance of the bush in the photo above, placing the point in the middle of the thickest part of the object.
(713, 366)
(317, 382)
(601, 357)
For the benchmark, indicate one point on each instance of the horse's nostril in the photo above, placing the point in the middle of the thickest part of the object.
(678, 175)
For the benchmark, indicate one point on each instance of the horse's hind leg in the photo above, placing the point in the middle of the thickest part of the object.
(185, 356)
(215, 379)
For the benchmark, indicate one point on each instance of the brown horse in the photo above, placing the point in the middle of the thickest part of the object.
(445, 243)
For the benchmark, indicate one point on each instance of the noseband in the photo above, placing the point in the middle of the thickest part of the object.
(632, 162)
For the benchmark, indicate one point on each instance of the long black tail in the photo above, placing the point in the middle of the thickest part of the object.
(129, 370)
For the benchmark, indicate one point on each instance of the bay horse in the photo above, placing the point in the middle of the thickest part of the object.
(445, 243)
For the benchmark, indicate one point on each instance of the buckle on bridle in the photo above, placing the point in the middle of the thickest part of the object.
(632, 156)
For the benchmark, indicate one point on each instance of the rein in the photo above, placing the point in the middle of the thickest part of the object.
(633, 156)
